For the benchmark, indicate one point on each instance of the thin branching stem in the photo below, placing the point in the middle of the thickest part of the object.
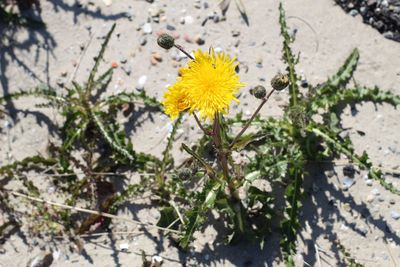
(109, 139)
(166, 153)
(200, 125)
(180, 48)
(251, 119)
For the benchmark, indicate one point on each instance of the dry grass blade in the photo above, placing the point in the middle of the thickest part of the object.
(242, 11)
(104, 214)
(224, 5)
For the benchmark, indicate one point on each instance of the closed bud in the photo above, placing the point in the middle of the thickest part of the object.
(166, 41)
(184, 173)
(280, 81)
(259, 91)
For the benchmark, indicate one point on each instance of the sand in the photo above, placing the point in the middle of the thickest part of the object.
(325, 36)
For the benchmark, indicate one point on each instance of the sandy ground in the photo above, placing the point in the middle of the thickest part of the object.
(41, 57)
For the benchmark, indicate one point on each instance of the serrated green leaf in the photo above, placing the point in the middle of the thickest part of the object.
(345, 72)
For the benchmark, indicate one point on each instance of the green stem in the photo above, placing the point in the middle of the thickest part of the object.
(108, 138)
(210, 171)
(200, 125)
(166, 152)
(251, 119)
(222, 156)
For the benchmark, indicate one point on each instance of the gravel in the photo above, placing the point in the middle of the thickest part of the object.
(383, 15)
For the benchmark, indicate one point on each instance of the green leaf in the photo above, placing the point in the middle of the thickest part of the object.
(289, 58)
(345, 72)
(99, 57)
(211, 196)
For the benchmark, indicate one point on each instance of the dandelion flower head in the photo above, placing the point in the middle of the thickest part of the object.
(208, 84)
(175, 100)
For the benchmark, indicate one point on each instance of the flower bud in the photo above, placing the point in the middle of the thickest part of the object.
(259, 91)
(184, 173)
(166, 41)
(280, 81)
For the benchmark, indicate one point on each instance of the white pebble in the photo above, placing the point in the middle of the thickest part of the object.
(189, 20)
(156, 261)
(141, 82)
(375, 192)
(124, 246)
(347, 182)
(395, 215)
(147, 28)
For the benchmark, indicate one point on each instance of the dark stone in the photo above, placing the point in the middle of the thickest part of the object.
(171, 27)
(349, 170)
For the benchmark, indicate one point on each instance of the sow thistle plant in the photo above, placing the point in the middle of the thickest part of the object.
(207, 86)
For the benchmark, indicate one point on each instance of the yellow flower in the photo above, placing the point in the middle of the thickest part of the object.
(210, 82)
(175, 100)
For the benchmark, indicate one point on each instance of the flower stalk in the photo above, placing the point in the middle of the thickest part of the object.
(265, 99)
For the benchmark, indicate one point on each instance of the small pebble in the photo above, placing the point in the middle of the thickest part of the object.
(188, 20)
(157, 56)
(388, 35)
(143, 40)
(235, 33)
(199, 40)
(304, 83)
(368, 182)
(171, 27)
(147, 28)
(349, 170)
(395, 215)
(216, 18)
(370, 198)
(187, 38)
(123, 60)
(347, 182)
(156, 261)
(60, 82)
(363, 10)
(197, 4)
(353, 12)
(375, 192)
(141, 82)
(124, 247)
